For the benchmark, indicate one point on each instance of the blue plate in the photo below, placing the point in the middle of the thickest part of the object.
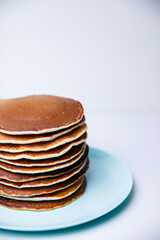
(109, 183)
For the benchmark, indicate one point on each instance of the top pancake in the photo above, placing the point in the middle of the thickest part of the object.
(38, 114)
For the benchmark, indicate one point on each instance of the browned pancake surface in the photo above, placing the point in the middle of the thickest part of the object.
(44, 146)
(73, 152)
(44, 181)
(22, 177)
(27, 192)
(38, 114)
(37, 169)
(27, 139)
(42, 205)
(55, 152)
(51, 196)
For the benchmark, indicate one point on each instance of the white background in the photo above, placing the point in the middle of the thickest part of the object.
(105, 54)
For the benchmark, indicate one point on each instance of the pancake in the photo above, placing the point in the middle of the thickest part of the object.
(42, 205)
(56, 152)
(22, 177)
(44, 146)
(43, 152)
(51, 196)
(28, 192)
(27, 139)
(38, 114)
(73, 152)
(40, 169)
(44, 181)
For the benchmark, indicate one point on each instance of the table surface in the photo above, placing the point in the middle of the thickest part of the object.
(134, 137)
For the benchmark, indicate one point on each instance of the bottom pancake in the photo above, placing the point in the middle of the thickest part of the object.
(43, 205)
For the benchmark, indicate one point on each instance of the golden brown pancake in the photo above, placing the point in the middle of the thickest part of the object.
(73, 152)
(22, 177)
(51, 196)
(44, 181)
(42, 205)
(56, 152)
(43, 152)
(27, 139)
(40, 169)
(28, 192)
(44, 146)
(38, 114)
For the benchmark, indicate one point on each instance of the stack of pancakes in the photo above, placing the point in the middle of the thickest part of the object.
(43, 152)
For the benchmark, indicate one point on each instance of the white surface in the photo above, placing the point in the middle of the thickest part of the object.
(135, 139)
(106, 53)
